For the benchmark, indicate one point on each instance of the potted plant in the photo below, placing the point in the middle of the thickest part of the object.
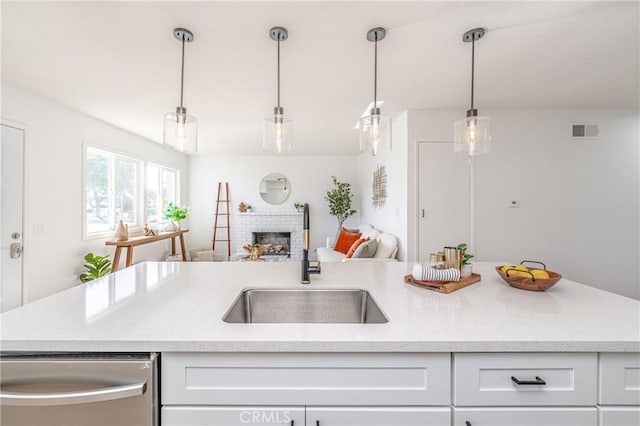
(175, 213)
(97, 266)
(339, 199)
(467, 268)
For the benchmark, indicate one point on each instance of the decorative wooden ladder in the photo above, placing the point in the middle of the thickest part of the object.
(225, 215)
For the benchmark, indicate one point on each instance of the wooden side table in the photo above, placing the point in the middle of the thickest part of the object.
(139, 241)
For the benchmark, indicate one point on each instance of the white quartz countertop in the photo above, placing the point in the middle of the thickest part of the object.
(174, 306)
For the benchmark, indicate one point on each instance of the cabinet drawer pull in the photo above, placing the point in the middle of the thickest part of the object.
(537, 381)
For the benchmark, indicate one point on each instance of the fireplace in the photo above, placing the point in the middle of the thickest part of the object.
(273, 243)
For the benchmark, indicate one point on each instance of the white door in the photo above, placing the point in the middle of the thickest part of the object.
(526, 416)
(378, 416)
(11, 184)
(202, 415)
(443, 198)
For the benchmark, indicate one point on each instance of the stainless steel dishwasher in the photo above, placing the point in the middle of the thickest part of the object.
(78, 389)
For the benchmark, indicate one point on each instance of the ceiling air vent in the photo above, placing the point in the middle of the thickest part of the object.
(585, 131)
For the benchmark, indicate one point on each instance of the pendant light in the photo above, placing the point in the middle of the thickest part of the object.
(471, 135)
(373, 126)
(277, 136)
(180, 128)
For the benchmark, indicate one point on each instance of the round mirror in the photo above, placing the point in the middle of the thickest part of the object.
(275, 188)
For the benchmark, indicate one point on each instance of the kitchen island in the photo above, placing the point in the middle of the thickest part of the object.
(174, 306)
(486, 354)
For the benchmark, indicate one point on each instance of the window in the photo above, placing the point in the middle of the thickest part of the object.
(115, 190)
(162, 183)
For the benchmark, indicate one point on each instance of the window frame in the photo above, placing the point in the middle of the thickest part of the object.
(161, 168)
(141, 197)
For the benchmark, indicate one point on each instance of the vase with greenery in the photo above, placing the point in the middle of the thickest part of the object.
(175, 213)
(466, 268)
(96, 266)
(339, 199)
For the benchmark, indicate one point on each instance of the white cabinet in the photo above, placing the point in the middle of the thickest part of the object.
(378, 416)
(619, 379)
(525, 389)
(619, 416)
(619, 389)
(232, 416)
(525, 379)
(534, 416)
(378, 379)
(332, 389)
(400, 389)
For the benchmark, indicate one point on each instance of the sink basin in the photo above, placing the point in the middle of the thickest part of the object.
(329, 306)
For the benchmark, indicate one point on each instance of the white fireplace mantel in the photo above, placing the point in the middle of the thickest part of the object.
(250, 222)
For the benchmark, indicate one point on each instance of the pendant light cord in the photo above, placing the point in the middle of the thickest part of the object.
(278, 73)
(182, 74)
(375, 71)
(473, 52)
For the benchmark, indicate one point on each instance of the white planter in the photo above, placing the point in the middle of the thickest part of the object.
(466, 271)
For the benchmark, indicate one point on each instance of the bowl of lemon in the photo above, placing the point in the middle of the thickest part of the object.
(527, 278)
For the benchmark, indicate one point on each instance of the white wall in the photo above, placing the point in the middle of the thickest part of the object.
(310, 178)
(579, 199)
(392, 217)
(53, 187)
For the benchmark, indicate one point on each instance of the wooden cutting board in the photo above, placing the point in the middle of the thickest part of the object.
(443, 287)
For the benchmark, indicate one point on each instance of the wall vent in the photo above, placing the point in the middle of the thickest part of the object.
(585, 131)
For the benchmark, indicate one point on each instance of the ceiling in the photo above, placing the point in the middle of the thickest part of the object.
(118, 61)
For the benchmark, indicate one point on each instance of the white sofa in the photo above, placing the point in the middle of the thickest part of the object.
(387, 247)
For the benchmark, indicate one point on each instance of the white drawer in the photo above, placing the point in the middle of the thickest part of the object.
(232, 416)
(379, 416)
(509, 416)
(306, 379)
(620, 378)
(489, 379)
(619, 416)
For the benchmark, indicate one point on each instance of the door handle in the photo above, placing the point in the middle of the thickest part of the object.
(537, 381)
(422, 212)
(67, 398)
(15, 250)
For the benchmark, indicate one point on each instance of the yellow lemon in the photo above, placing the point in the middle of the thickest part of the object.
(505, 268)
(539, 273)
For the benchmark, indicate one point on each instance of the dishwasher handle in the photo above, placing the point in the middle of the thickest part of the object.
(67, 398)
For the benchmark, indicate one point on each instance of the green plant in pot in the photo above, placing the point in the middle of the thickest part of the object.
(339, 199)
(175, 213)
(96, 266)
(467, 268)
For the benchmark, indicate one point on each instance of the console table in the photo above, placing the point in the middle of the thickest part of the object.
(139, 241)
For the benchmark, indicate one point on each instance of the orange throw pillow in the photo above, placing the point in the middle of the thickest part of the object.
(355, 246)
(346, 240)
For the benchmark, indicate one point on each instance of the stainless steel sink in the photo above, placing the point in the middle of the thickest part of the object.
(332, 306)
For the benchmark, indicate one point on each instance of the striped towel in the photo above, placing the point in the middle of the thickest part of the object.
(422, 272)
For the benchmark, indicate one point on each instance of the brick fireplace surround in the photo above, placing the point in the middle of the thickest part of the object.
(247, 223)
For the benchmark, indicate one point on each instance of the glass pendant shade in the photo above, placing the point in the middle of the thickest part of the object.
(277, 135)
(181, 131)
(472, 135)
(373, 132)
(277, 132)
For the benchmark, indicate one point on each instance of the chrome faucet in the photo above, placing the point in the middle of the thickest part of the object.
(306, 269)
